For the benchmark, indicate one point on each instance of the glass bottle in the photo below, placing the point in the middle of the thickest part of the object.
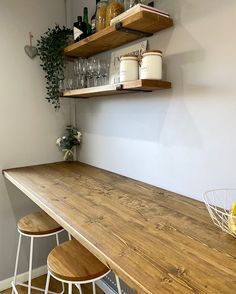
(101, 15)
(86, 21)
(79, 29)
(93, 19)
(130, 3)
(114, 8)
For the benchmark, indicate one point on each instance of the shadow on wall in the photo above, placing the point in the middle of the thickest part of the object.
(144, 116)
(20, 203)
(154, 116)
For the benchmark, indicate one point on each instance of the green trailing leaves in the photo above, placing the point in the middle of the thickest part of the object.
(50, 47)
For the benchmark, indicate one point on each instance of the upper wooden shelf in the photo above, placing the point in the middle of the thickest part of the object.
(110, 37)
(127, 87)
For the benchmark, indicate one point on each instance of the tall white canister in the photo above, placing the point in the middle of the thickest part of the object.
(151, 65)
(129, 68)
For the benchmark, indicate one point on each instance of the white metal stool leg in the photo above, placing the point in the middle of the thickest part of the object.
(47, 283)
(30, 263)
(69, 236)
(17, 261)
(69, 288)
(63, 287)
(118, 284)
(58, 243)
(14, 290)
(94, 288)
(29, 285)
(79, 287)
(57, 239)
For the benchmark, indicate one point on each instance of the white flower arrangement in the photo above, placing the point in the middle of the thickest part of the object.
(71, 138)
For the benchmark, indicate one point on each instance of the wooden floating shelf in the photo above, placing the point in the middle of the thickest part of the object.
(111, 37)
(127, 87)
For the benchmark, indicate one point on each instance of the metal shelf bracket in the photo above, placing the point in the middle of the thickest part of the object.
(119, 27)
(120, 87)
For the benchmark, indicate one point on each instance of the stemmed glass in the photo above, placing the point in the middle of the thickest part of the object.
(68, 82)
(84, 73)
(79, 71)
(90, 72)
(101, 73)
(95, 68)
(78, 66)
(105, 66)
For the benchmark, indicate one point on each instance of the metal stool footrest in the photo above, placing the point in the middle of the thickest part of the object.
(33, 287)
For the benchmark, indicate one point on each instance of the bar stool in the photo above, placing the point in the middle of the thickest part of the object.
(73, 264)
(34, 225)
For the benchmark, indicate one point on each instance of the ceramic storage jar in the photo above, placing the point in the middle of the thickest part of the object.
(129, 68)
(151, 65)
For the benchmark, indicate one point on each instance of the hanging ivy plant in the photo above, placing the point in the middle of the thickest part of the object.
(50, 47)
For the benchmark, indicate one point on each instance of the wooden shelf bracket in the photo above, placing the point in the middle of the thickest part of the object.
(119, 27)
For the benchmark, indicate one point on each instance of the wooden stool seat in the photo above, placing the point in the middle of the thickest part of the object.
(38, 223)
(71, 261)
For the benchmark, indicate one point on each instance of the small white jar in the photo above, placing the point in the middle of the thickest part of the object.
(151, 66)
(129, 68)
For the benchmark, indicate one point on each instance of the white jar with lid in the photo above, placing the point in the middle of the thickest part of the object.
(151, 67)
(129, 68)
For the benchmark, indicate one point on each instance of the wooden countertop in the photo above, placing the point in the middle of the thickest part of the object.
(155, 240)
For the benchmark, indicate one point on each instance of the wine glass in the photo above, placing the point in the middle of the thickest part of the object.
(61, 86)
(78, 65)
(83, 71)
(70, 83)
(99, 72)
(78, 72)
(83, 81)
(95, 65)
(89, 73)
(105, 66)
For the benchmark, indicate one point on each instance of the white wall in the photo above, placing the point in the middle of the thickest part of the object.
(77, 8)
(28, 124)
(181, 139)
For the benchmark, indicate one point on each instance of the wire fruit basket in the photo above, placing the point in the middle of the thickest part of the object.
(221, 205)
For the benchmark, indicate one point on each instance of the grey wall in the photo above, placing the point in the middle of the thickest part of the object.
(28, 124)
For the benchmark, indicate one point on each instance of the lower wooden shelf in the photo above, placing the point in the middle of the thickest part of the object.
(117, 89)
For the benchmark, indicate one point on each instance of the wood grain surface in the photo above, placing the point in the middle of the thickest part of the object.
(109, 38)
(71, 261)
(127, 87)
(155, 240)
(38, 223)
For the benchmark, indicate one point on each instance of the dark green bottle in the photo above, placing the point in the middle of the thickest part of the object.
(86, 21)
